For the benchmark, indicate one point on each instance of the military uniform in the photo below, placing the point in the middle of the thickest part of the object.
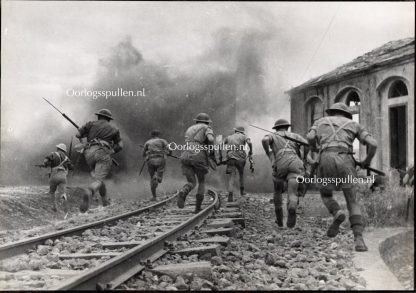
(236, 158)
(335, 136)
(102, 138)
(155, 150)
(287, 166)
(59, 164)
(195, 160)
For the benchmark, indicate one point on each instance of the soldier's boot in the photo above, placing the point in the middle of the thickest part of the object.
(86, 194)
(64, 199)
(182, 195)
(291, 212)
(199, 199)
(230, 197)
(358, 228)
(279, 216)
(242, 191)
(54, 204)
(291, 218)
(103, 192)
(339, 218)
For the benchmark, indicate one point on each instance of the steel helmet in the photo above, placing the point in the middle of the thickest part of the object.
(202, 117)
(281, 122)
(239, 129)
(61, 146)
(105, 113)
(339, 107)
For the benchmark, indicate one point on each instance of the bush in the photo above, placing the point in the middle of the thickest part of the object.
(386, 206)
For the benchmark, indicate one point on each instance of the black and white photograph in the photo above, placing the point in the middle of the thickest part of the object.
(207, 146)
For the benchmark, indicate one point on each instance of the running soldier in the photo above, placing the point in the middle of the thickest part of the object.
(155, 151)
(236, 158)
(287, 165)
(59, 164)
(195, 159)
(335, 135)
(103, 140)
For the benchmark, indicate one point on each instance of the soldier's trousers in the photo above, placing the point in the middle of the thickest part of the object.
(194, 171)
(234, 165)
(99, 160)
(334, 165)
(156, 167)
(57, 184)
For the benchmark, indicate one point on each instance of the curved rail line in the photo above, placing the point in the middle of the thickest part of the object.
(18, 247)
(115, 271)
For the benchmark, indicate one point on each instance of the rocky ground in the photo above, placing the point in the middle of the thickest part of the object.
(265, 257)
(26, 211)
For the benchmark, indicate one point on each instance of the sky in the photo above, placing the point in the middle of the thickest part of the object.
(49, 47)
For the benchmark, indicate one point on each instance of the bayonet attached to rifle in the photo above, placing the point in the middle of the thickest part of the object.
(75, 125)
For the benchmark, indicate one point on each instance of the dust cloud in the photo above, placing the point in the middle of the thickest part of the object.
(234, 81)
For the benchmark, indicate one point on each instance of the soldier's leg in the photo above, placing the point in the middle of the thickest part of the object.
(241, 177)
(52, 188)
(153, 179)
(189, 173)
(230, 173)
(292, 187)
(201, 190)
(335, 210)
(356, 219)
(278, 185)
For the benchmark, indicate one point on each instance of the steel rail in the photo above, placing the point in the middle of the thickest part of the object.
(103, 275)
(18, 247)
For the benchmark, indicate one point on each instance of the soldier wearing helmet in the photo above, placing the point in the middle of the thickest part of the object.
(103, 140)
(195, 159)
(60, 164)
(155, 151)
(287, 165)
(236, 158)
(335, 135)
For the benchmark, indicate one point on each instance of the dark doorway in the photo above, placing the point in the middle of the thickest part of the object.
(398, 135)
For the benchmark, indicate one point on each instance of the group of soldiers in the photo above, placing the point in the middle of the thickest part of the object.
(330, 138)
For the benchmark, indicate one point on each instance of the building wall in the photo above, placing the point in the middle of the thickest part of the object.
(372, 88)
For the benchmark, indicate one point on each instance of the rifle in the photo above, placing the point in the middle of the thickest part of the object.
(75, 125)
(169, 155)
(378, 172)
(141, 169)
(284, 136)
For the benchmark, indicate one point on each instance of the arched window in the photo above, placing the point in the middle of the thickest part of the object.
(398, 89)
(353, 99)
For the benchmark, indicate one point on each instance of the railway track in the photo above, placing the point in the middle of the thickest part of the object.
(105, 254)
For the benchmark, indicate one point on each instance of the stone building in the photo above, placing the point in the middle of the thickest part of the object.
(379, 89)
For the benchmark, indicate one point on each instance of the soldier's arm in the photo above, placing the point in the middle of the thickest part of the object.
(48, 160)
(118, 143)
(83, 131)
(266, 141)
(145, 147)
(69, 165)
(366, 139)
(224, 142)
(250, 146)
(166, 146)
(311, 136)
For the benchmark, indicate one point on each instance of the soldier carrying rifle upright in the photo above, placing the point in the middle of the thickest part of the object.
(236, 158)
(60, 164)
(195, 159)
(287, 165)
(155, 151)
(103, 140)
(335, 135)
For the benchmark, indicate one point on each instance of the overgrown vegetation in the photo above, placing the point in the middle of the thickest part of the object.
(388, 206)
